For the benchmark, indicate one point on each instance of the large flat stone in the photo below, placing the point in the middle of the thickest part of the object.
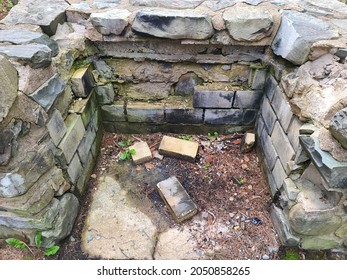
(9, 86)
(47, 14)
(24, 37)
(173, 24)
(297, 33)
(110, 22)
(247, 23)
(171, 146)
(177, 199)
(49, 92)
(36, 55)
(174, 4)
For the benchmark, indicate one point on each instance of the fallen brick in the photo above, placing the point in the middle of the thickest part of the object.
(179, 148)
(177, 199)
(142, 152)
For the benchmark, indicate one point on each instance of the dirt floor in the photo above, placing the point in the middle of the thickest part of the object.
(227, 186)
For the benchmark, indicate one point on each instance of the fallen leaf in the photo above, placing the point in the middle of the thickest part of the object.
(138, 168)
(149, 165)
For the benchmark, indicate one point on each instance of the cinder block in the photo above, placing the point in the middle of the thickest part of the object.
(282, 108)
(282, 145)
(177, 199)
(171, 146)
(142, 153)
(213, 99)
(224, 116)
(268, 114)
(184, 115)
(56, 127)
(73, 137)
(248, 99)
(82, 81)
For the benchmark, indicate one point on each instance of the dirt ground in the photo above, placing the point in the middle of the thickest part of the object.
(227, 186)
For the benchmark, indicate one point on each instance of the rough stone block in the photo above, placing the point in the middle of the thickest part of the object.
(279, 174)
(290, 189)
(247, 142)
(82, 82)
(308, 129)
(282, 145)
(338, 127)
(177, 199)
(145, 112)
(75, 168)
(248, 99)
(9, 86)
(269, 115)
(86, 143)
(297, 32)
(171, 146)
(270, 86)
(259, 78)
(224, 116)
(89, 109)
(36, 55)
(184, 115)
(105, 94)
(322, 242)
(174, 4)
(158, 23)
(113, 113)
(56, 127)
(282, 227)
(213, 99)
(148, 91)
(78, 13)
(81, 184)
(73, 137)
(259, 125)
(282, 108)
(110, 22)
(293, 132)
(142, 153)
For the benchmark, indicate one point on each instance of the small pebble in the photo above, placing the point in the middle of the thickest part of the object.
(265, 257)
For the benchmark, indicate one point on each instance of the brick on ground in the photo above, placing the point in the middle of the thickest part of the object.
(179, 148)
(142, 152)
(177, 199)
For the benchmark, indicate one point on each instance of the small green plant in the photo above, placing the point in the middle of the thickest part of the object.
(206, 165)
(241, 181)
(215, 135)
(291, 254)
(19, 244)
(125, 143)
(186, 137)
(126, 154)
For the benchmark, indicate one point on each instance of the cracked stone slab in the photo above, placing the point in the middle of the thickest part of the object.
(114, 229)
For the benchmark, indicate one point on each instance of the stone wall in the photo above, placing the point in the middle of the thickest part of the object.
(173, 66)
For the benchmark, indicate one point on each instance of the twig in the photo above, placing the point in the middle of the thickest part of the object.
(213, 215)
(136, 138)
(154, 145)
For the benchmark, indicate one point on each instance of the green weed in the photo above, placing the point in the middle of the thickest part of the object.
(215, 135)
(125, 143)
(186, 137)
(126, 154)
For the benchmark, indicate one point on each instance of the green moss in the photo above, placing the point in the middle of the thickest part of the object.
(291, 254)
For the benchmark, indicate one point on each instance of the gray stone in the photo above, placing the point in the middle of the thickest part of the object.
(321, 242)
(73, 137)
(173, 24)
(56, 127)
(114, 112)
(24, 37)
(174, 4)
(105, 4)
(249, 117)
(75, 168)
(7, 143)
(89, 109)
(145, 112)
(176, 199)
(294, 132)
(310, 222)
(86, 143)
(290, 189)
(36, 55)
(282, 109)
(213, 99)
(282, 145)
(338, 127)
(325, 8)
(269, 115)
(183, 115)
(270, 87)
(248, 99)
(49, 92)
(82, 181)
(48, 14)
(247, 23)
(68, 210)
(186, 83)
(329, 144)
(221, 4)
(110, 22)
(282, 227)
(142, 152)
(82, 82)
(308, 128)
(279, 174)
(9, 86)
(297, 33)
(247, 142)
(334, 172)
(259, 79)
(103, 69)
(224, 116)
(221, 37)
